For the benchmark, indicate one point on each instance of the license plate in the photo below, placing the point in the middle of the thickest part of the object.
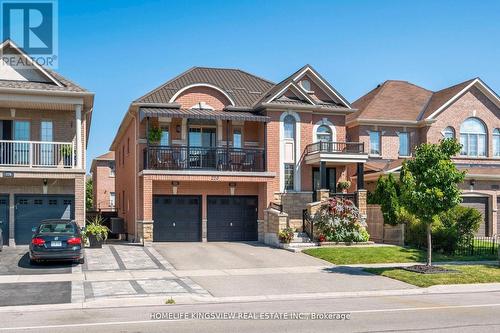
(56, 244)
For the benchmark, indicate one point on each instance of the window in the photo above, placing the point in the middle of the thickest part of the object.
(164, 141)
(289, 177)
(237, 138)
(112, 168)
(21, 130)
(46, 131)
(404, 144)
(473, 138)
(202, 137)
(324, 134)
(449, 133)
(496, 142)
(289, 126)
(374, 143)
(306, 85)
(45, 155)
(123, 155)
(112, 199)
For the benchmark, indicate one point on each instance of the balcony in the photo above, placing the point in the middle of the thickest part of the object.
(37, 154)
(335, 152)
(203, 158)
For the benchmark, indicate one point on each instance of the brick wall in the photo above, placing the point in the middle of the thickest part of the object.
(104, 184)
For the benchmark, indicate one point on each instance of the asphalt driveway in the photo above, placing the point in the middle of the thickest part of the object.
(15, 261)
(231, 255)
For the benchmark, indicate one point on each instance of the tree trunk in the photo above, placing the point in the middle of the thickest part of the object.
(429, 245)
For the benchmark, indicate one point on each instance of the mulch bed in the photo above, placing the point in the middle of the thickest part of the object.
(424, 269)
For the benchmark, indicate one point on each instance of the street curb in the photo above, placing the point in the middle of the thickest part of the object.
(181, 300)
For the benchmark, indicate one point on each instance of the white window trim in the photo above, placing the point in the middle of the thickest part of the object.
(297, 179)
(325, 122)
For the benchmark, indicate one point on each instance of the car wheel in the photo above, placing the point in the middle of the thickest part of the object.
(80, 261)
(33, 262)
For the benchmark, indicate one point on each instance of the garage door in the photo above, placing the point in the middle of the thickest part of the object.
(4, 218)
(232, 218)
(31, 209)
(481, 204)
(177, 218)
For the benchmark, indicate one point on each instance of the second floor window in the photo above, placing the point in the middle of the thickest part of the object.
(473, 138)
(112, 168)
(496, 142)
(374, 143)
(404, 144)
(289, 126)
(164, 136)
(324, 134)
(449, 133)
(237, 138)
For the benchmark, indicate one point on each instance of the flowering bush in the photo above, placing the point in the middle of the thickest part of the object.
(286, 235)
(338, 220)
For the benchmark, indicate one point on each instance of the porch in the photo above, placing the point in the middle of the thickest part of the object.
(37, 154)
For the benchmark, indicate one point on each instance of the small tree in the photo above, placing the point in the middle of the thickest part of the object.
(387, 196)
(89, 194)
(429, 184)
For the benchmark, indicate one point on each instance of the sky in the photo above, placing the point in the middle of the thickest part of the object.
(121, 49)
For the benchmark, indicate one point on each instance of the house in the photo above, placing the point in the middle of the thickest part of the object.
(44, 126)
(201, 157)
(396, 116)
(103, 181)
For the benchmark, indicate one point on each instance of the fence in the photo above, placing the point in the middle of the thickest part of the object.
(476, 246)
(381, 232)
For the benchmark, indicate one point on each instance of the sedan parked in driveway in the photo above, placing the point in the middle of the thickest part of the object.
(57, 240)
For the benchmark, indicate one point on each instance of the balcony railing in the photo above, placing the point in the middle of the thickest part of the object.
(336, 147)
(37, 154)
(202, 158)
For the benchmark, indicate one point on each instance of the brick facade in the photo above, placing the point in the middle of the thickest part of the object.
(103, 179)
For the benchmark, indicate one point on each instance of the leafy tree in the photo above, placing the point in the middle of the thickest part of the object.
(89, 195)
(387, 195)
(429, 184)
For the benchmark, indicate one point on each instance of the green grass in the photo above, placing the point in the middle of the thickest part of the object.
(468, 274)
(384, 254)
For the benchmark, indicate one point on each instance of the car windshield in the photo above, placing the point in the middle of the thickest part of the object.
(59, 228)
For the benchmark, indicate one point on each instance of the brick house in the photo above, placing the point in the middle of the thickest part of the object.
(44, 126)
(103, 180)
(396, 116)
(222, 145)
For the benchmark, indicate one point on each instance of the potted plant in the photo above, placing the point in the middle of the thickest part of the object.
(154, 135)
(286, 235)
(95, 232)
(67, 154)
(343, 185)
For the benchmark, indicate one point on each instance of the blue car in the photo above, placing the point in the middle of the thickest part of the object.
(57, 240)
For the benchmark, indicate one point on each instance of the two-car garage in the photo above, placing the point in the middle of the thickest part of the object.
(178, 218)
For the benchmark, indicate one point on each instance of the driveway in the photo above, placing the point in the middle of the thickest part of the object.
(235, 255)
(254, 269)
(15, 261)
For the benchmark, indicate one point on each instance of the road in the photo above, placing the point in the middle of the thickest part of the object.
(458, 312)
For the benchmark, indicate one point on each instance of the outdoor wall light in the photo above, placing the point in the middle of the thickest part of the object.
(175, 183)
(178, 128)
(472, 183)
(174, 187)
(45, 181)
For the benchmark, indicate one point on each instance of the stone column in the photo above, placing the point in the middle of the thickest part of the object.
(80, 199)
(78, 143)
(12, 219)
(146, 225)
(362, 196)
(322, 195)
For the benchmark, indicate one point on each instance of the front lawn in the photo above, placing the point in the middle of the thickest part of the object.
(467, 274)
(384, 254)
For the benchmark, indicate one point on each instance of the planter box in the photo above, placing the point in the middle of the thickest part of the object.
(94, 242)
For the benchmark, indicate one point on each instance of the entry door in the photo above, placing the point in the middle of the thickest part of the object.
(21, 149)
(4, 218)
(177, 218)
(46, 157)
(331, 180)
(481, 204)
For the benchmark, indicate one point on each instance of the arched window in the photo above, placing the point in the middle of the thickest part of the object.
(473, 137)
(449, 133)
(496, 142)
(324, 133)
(289, 126)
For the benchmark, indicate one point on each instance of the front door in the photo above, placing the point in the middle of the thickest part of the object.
(331, 180)
(21, 149)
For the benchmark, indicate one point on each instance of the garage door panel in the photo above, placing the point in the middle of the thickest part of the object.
(232, 218)
(4, 218)
(481, 204)
(30, 210)
(176, 218)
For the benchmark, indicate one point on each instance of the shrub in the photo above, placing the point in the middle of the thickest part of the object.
(286, 235)
(452, 230)
(343, 185)
(338, 220)
(387, 195)
(154, 134)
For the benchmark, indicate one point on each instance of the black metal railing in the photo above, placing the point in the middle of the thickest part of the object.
(307, 224)
(346, 196)
(222, 159)
(336, 147)
(276, 206)
(475, 246)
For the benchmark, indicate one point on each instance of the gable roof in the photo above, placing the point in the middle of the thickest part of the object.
(53, 82)
(404, 101)
(243, 88)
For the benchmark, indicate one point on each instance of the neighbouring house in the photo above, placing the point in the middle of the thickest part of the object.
(201, 157)
(44, 126)
(103, 181)
(396, 116)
